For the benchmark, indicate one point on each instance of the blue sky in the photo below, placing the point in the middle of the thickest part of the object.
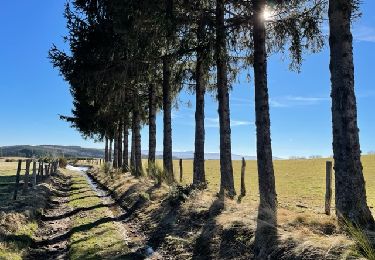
(33, 94)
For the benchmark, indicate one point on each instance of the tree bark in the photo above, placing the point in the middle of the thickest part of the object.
(132, 152)
(106, 158)
(152, 128)
(267, 212)
(110, 150)
(115, 149)
(119, 145)
(125, 153)
(199, 176)
(350, 189)
(137, 143)
(167, 121)
(226, 169)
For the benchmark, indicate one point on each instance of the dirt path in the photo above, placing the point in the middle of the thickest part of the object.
(83, 222)
(51, 242)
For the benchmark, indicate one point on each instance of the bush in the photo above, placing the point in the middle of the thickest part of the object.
(63, 162)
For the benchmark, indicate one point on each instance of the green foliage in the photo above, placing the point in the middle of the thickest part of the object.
(362, 247)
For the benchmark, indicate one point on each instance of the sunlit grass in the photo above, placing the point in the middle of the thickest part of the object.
(90, 240)
(298, 182)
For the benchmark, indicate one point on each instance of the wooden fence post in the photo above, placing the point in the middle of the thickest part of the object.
(243, 187)
(328, 187)
(34, 175)
(26, 177)
(181, 173)
(41, 168)
(38, 167)
(17, 179)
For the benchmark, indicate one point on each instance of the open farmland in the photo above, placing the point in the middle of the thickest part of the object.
(298, 182)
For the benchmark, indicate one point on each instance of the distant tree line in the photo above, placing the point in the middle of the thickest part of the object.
(129, 60)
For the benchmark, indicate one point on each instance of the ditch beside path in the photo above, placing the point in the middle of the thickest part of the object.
(84, 222)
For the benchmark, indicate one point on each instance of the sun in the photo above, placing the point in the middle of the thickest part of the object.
(267, 14)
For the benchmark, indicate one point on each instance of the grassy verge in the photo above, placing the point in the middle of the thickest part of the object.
(96, 235)
(18, 219)
(200, 226)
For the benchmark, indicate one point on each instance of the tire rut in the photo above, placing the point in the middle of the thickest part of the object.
(55, 223)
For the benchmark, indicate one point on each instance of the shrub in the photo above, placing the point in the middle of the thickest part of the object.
(106, 167)
(63, 162)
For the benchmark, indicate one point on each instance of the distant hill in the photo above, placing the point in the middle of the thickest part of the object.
(208, 156)
(50, 150)
(77, 151)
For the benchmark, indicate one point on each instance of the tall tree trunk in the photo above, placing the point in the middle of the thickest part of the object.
(119, 145)
(115, 149)
(167, 120)
(199, 176)
(349, 181)
(132, 152)
(125, 153)
(137, 143)
(106, 150)
(267, 218)
(226, 169)
(152, 128)
(110, 149)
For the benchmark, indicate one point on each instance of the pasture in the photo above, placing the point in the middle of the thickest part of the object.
(300, 184)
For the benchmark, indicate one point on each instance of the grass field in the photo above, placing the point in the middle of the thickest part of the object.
(17, 218)
(300, 186)
(298, 182)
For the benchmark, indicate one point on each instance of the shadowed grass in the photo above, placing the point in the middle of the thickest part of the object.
(96, 235)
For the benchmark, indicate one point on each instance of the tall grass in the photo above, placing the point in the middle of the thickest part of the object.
(362, 244)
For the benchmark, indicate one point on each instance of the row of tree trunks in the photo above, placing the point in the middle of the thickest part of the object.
(226, 169)
(350, 196)
(199, 176)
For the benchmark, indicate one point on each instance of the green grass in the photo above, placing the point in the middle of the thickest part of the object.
(17, 220)
(297, 181)
(94, 236)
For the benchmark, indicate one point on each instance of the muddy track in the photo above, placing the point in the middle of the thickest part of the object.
(52, 226)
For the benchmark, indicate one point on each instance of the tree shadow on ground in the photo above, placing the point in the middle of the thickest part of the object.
(266, 235)
(203, 244)
(88, 226)
(76, 211)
